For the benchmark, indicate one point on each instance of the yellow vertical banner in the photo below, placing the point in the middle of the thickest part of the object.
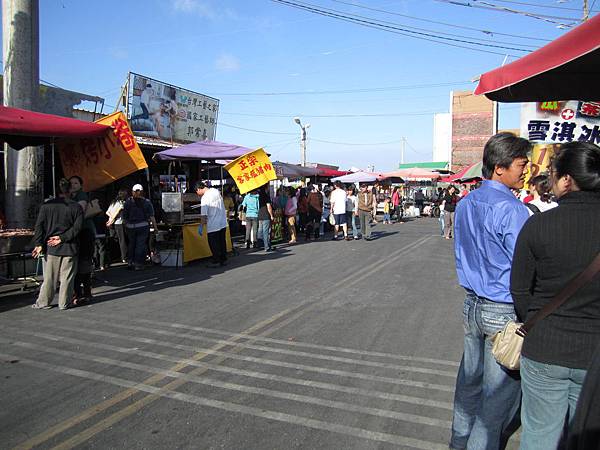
(540, 159)
(252, 170)
(100, 161)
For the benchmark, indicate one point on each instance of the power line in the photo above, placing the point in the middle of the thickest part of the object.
(487, 32)
(343, 91)
(492, 7)
(354, 143)
(539, 5)
(431, 37)
(385, 22)
(255, 131)
(325, 116)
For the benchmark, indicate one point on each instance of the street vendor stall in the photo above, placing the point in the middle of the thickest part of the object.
(184, 225)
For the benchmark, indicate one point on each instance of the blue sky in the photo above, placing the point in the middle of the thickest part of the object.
(391, 84)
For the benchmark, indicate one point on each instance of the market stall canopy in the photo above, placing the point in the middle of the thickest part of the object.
(206, 150)
(468, 173)
(413, 173)
(21, 128)
(286, 170)
(567, 68)
(358, 177)
(328, 173)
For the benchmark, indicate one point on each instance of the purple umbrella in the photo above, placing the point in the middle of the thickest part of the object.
(207, 150)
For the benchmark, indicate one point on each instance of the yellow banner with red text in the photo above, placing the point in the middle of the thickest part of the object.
(252, 170)
(101, 161)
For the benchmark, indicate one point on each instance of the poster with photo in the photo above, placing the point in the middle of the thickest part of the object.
(170, 113)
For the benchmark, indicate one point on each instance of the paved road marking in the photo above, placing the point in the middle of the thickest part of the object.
(301, 309)
(391, 414)
(287, 342)
(358, 362)
(118, 398)
(232, 407)
(270, 362)
(248, 373)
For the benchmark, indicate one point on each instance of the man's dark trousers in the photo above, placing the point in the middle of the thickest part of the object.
(218, 247)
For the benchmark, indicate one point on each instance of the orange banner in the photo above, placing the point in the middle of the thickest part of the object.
(101, 161)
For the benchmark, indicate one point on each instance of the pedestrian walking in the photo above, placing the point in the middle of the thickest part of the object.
(351, 211)
(338, 207)
(115, 221)
(315, 211)
(397, 204)
(265, 217)
(87, 238)
(364, 211)
(487, 395)
(138, 215)
(553, 248)
(450, 201)
(56, 237)
(214, 220)
(250, 206)
(291, 207)
(387, 208)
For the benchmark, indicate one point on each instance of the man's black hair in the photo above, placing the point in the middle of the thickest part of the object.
(501, 150)
(63, 186)
(199, 185)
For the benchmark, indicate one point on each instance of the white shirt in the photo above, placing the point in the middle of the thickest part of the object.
(542, 206)
(116, 208)
(338, 200)
(214, 210)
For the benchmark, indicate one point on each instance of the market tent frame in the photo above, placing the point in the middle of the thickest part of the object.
(567, 68)
(20, 128)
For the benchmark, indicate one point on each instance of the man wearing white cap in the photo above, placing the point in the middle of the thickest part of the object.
(138, 214)
(214, 218)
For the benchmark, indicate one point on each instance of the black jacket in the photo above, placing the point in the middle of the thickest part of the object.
(552, 249)
(59, 217)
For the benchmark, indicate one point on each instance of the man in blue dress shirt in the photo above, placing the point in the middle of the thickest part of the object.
(487, 224)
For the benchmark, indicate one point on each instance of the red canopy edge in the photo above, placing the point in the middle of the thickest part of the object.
(568, 63)
(20, 128)
(323, 172)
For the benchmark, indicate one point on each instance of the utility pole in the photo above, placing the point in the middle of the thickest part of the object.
(586, 12)
(23, 169)
(303, 129)
(402, 148)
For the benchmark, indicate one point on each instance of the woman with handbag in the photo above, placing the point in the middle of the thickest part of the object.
(552, 249)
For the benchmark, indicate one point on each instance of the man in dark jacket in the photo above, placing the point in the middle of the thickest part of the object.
(56, 234)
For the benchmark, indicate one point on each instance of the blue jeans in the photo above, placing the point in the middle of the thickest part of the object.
(487, 395)
(441, 222)
(264, 227)
(351, 219)
(137, 245)
(549, 393)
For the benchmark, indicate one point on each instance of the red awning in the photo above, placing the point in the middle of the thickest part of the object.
(20, 128)
(567, 68)
(330, 173)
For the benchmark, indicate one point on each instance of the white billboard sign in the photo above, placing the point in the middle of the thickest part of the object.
(170, 113)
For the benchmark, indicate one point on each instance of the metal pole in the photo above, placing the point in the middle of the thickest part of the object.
(586, 12)
(402, 150)
(53, 171)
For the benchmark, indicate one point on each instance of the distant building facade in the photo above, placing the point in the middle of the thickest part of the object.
(473, 122)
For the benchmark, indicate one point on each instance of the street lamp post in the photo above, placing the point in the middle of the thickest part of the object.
(302, 138)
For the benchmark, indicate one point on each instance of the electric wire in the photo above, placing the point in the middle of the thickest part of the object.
(402, 31)
(462, 27)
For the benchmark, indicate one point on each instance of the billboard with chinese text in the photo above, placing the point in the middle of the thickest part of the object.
(167, 112)
(561, 121)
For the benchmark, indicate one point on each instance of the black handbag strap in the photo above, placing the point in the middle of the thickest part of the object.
(574, 285)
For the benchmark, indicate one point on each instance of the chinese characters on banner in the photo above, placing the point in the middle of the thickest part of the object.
(540, 159)
(561, 121)
(251, 170)
(101, 161)
(167, 112)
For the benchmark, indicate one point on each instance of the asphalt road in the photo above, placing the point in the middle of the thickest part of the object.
(322, 345)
